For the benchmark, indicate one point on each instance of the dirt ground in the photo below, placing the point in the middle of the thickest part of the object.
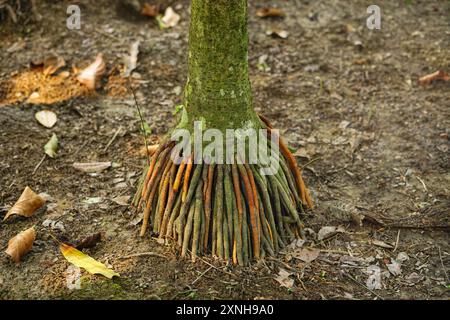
(346, 97)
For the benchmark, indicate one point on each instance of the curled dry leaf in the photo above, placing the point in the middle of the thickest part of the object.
(46, 117)
(382, 244)
(51, 146)
(149, 10)
(131, 60)
(284, 279)
(27, 204)
(170, 18)
(328, 231)
(90, 75)
(21, 244)
(53, 64)
(84, 261)
(92, 167)
(438, 75)
(89, 241)
(34, 97)
(276, 33)
(269, 12)
(150, 150)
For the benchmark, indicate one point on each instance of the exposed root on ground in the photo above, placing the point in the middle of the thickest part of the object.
(229, 210)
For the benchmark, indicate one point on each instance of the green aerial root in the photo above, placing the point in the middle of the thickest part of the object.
(229, 210)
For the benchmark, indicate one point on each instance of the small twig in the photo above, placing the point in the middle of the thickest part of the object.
(38, 165)
(142, 119)
(442, 263)
(423, 184)
(213, 266)
(310, 162)
(112, 139)
(201, 275)
(144, 254)
(364, 286)
(396, 242)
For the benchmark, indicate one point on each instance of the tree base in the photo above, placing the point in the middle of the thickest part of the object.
(229, 210)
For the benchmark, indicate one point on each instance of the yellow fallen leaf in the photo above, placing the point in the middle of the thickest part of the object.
(27, 204)
(84, 261)
(21, 244)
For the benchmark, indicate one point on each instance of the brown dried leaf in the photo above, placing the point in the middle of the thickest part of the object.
(21, 244)
(91, 74)
(269, 12)
(27, 204)
(89, 242)
(92, 167)
(121, 200)
(284, 279)
(150, 150)
(53, 64)
(306, 254)
(438, 75)
(328, 231)
(149, 10)
(382, 244)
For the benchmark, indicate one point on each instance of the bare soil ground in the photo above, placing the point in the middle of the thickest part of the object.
(378, 140)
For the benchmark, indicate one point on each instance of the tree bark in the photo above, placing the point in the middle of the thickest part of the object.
(218, 91)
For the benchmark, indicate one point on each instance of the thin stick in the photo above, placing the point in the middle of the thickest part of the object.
(114, 138)
(201, 275)
(364, 286)
(143, 254)
(396, 242)
(442, 263)
(38, 165)
(140, 117)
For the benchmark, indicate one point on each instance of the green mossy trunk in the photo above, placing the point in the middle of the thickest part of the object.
(218, 91)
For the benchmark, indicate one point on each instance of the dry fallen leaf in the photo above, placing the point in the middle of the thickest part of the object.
(46, 117)
(438, 75)
(84, 261)
(276, 33)
(90, 75)
(269, 12)
(21, 244)
(131, 60)
(53, 64)
(382, 244)
(121, 200)
(328, 231)
(149, 10)
(34, 97)
(51, 146)
(92, 167)
(170, 18)
(27, 204)
(89, 241)
(150, 150)
(283, 278)
(306, 254)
